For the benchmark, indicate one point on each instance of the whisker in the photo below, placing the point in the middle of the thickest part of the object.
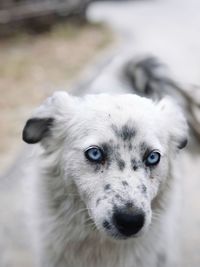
(76, 213)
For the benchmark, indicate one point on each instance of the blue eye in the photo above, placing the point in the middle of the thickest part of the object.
(94, 154)
(152, 158)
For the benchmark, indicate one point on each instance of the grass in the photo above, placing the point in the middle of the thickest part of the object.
(32, 67)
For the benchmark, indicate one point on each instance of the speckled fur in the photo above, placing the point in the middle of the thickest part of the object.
(72, 200)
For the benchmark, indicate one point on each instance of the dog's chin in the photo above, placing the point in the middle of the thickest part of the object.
(116, 235)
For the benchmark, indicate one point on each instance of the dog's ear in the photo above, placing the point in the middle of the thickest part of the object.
(36, 129)
(45, 118)
(174, 122)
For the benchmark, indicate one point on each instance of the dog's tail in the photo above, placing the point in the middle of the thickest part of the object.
(149, 78)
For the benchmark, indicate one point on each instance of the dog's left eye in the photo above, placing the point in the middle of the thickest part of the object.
(152, 158)
(94, 154)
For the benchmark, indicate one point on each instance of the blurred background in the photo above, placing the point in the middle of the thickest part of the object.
(48, 45)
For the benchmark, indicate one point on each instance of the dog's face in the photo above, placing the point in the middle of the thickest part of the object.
(116, 149)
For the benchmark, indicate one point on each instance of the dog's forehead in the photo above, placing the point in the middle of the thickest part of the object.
(118, 109)
(119, 119)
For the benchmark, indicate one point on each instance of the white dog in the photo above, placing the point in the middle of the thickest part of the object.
(105, 193)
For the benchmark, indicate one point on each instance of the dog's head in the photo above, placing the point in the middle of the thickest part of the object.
(117, 150)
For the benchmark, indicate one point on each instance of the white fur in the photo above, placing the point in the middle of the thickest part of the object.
(66, 222)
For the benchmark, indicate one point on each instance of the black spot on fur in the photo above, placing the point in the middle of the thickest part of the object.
(121, 164)
(143, 148)
(112, 155)
(130, 147)
(98, 201)
(107, 225)
(135, 168)
(107, 187)
(144, 188)
(108, 150)
(124, 183)
(134, 164)
(36, 129)
(126, 132)
(119, 197)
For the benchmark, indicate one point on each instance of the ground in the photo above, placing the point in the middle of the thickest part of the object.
(32, 67)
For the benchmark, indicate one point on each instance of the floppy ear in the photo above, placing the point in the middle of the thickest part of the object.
(36, 129)
(174, 122)
(45, 118)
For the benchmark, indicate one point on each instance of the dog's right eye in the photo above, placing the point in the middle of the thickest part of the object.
(95, 154)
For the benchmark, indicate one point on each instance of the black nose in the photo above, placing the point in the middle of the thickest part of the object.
(128, 223)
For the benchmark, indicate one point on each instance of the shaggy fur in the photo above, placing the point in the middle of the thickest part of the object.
(73, 199)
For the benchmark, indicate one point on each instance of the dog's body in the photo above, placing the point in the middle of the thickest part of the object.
(77, 200)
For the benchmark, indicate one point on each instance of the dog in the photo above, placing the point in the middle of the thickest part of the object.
(105, 189)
